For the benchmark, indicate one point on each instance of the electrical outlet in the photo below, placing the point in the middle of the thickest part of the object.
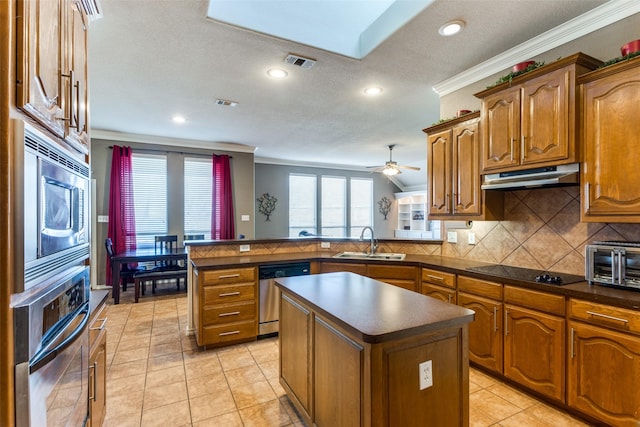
(325, 245)
(426, 374)
(452, 237)
(472, 238)
(245, 248)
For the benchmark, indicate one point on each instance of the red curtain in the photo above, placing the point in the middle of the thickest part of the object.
(222, 217)
(122, 218)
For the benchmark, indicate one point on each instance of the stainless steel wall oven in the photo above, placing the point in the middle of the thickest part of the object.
(51, 351)
(55, 188)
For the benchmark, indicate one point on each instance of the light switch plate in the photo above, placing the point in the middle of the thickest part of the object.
(245, 218)
(325, 245)
(452, 237)
(103, 218)
(245, 248)
(471, 238)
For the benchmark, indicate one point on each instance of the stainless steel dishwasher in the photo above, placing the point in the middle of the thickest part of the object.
(270, 294)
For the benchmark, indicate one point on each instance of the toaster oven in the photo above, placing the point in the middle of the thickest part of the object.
(613, 263)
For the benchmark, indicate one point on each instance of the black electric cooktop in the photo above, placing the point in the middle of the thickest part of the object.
(528, 275)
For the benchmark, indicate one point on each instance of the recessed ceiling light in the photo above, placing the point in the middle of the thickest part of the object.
(178, 119)
(277, 73)
(451, 28)
(374, 90)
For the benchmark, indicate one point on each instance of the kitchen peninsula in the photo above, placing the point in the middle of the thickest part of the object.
(356, 351)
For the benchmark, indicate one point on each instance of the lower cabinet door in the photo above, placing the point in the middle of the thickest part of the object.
(534, 350)
(604, 374)
(485, 332)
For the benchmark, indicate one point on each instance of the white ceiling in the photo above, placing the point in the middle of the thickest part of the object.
(152, 59)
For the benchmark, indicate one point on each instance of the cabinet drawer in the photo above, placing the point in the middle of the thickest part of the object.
(536, 300)
(440, 278)
(223, 294)
(229, 332)
(381, 272)
(439, 292)
(605, 315)
(332, 267)
(480, 287)
(233, 275)
(219, 314)
(97, 325)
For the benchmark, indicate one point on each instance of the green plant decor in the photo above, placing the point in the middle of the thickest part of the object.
(620, 59)
(515, 74)
(384, 206)
(267, 204)
(439, 122)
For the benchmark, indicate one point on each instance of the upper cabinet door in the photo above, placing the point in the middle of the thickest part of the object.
(77, 110)
(546, 118)
(40, 61)
(611, 137)
(501, 129)
(439, 172)
(466, 173)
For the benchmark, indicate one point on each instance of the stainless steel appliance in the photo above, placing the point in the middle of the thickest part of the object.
(270, 294)
(52, 351)
(548, 176)
(613, 263)
(55, 188)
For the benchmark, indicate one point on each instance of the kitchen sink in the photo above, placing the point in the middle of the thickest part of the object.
(365, 255)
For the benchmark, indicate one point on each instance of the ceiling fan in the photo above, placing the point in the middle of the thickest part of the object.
(391, 168)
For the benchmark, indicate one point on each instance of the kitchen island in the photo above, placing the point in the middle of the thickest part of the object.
(358, 352)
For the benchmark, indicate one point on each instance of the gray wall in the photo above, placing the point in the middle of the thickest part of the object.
(274, 179)
(242, 174)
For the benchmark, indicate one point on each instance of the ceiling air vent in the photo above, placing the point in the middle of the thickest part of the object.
(226, 103)
(299, 61)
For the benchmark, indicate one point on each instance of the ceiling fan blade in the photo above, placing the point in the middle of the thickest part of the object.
(376, 168)
(413, 168)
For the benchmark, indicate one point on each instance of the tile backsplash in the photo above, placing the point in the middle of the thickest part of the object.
(541, 230)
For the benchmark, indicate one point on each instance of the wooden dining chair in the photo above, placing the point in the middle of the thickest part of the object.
(126, 271)
(163, 270)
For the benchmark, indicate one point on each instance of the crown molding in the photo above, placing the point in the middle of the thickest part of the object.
(595, 19)
(174, 142)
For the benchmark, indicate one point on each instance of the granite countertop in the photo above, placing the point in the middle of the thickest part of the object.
(629, 299)
(373, 311)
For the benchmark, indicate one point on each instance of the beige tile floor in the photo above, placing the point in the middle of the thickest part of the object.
(157, 377)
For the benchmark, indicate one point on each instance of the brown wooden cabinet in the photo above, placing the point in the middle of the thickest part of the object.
(98, 368)
(453, 161)
(225, 305)
(440, 285)
(52, 67)
(400, 275)
(534, 337)
(331, 267)
(531, 121)
(485, 332)
(610, 129)
(604, 362)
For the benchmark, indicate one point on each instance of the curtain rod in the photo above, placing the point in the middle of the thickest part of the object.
(151, 150)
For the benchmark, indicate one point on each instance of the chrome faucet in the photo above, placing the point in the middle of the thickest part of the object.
(374, 242)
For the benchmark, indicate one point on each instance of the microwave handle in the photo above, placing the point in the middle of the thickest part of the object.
(622, 261)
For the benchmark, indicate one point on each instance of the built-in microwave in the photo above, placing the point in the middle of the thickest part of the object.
(54, 186)
(613, 263)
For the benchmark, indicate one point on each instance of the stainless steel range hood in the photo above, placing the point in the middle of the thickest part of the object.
(549, 176)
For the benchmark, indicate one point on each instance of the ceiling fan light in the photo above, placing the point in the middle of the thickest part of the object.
(390, 171)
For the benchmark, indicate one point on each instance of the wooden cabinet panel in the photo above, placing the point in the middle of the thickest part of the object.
(610, 129)
(501, 129)
(233, 275)
(479, 287)
(465, 174)
(295, 348)
(222, 294)
(439, 278)
(485, 332)
(229, 332)
(76, 84)
(546, 118)
(98, 368)
(218, 314)
(403, 276)
(439, 292)
(332, 267)
(536, 300)
(439, 173)
(338, 375)
(604, 315)
(534, 353)
(604, 368)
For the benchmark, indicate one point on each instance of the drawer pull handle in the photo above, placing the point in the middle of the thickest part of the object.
(101, 327)
(223, 334)
(229, 294)
(229, 276)
(435, 278)
(606, 316)
(232, 313)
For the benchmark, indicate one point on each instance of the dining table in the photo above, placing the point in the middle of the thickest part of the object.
(140, 255)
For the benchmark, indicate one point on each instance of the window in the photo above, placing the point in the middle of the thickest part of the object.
(302, 204)
(149, 196)
(333, 215)
(197, 196)
(361, 205)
